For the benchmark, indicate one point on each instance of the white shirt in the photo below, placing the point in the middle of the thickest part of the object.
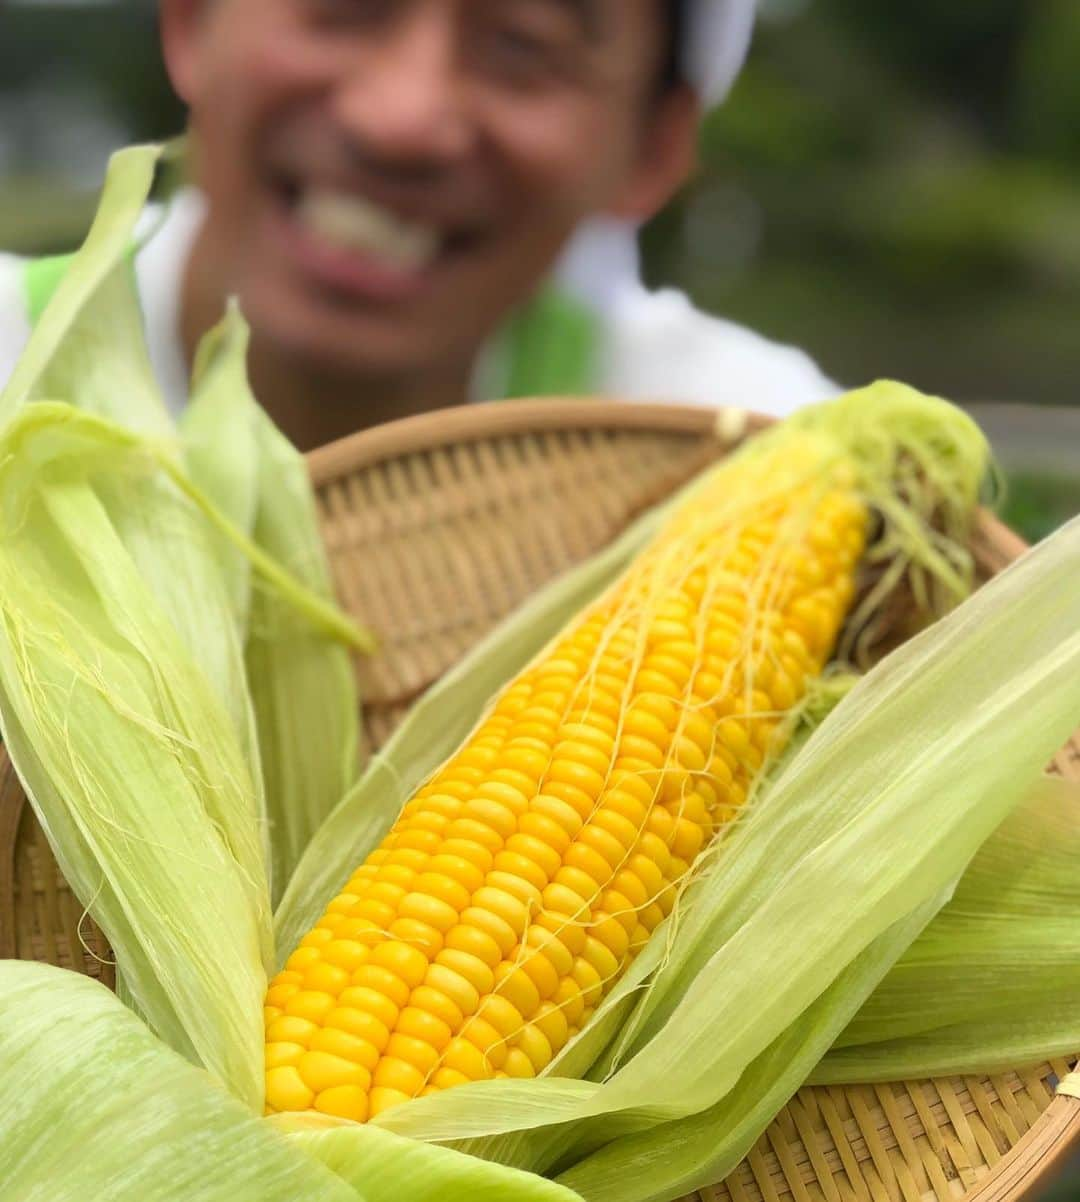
(653, 346)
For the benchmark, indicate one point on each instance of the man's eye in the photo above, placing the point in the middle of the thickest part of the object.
(525, 51)
(356, 12)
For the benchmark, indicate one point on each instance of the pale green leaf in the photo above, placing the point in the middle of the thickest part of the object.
(95, 1108)
(390, 1168)
(220, 455)
(88, 349)
(301, 680)
(992, 982)
(670, 1159)
(129, 759)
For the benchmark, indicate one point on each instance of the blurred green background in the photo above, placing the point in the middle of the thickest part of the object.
(894, 186)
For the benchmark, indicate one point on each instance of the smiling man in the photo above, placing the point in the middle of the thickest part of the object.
(422, 202)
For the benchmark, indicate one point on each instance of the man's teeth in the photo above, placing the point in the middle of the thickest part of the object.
(355, 223)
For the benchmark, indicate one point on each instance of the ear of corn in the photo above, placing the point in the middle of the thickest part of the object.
(522, 879)
(301, 680)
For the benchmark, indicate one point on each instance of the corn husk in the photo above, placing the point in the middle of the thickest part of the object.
(219, 449)
(95, 1107)
(125, 706)
(88, 349)
(992, 982)
(127, 753)
(390, 1168)
(301, 680)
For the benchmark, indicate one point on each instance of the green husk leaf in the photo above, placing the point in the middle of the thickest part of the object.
(987, 1046)
(301, 680)
(884, 807)
(220, 455)
(89, 350)
(303, 684)
(670, 1159)
(992, 982)
(390, 1168)
(129, 759)
(90, 338)
(95, 1107)
(998, 962)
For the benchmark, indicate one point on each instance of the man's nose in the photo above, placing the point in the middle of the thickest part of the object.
(405, 99)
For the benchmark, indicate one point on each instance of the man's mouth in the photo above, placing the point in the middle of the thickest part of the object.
(359, 247)
(356, 225)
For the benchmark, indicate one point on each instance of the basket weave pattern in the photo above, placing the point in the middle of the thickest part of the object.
(437, 527)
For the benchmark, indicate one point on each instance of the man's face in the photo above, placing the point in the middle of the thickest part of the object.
(388, 178)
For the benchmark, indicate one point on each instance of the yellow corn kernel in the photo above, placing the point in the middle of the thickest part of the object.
(534, 1043)
(360, 1024)
(436, 1003)
(484, 1037)
(539, 969)
(517, 987)
(517, 1064)
(399, 1075)
(551, 1021)
(446, 1077)
(381, 981)
(349, 1047)
(463, 994)
(417, 1052)
(421, 935)
(382, 1098)
(344, 1101)
(285, 1089)
(474, 942)
(467, 1059)
(502, 1014)
(310, 1005)
(283, 1053)
(323, 1070)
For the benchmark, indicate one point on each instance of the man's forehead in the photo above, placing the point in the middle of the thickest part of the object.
(597, 17)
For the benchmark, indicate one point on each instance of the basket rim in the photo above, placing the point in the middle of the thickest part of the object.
(537, 415)
(487, 419)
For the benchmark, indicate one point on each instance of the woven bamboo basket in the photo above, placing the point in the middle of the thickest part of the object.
(437, 527)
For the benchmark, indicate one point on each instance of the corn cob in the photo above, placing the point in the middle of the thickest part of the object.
(521, 880)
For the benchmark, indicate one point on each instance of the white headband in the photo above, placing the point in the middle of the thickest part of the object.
(715, 42)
